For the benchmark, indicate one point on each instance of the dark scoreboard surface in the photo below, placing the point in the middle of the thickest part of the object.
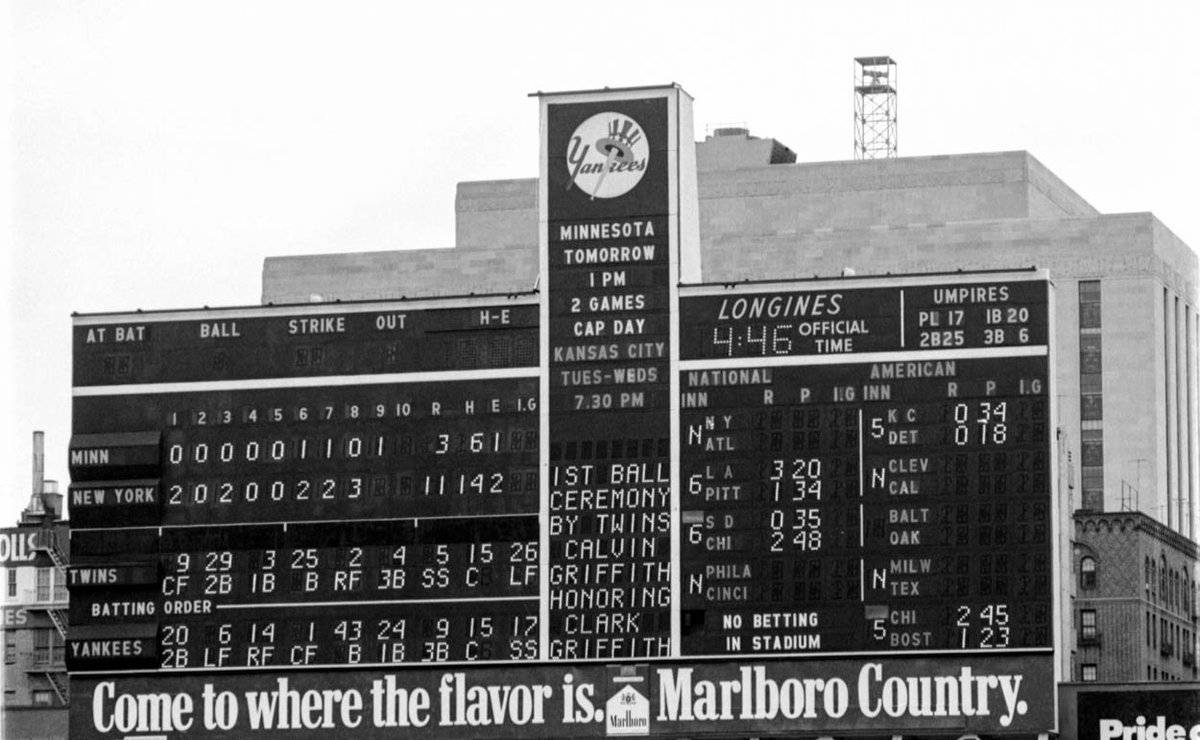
(894, 520)
(312, 486)
(897, 498)
(862, 467)
(260, 343)
(610, 445)
(785, 322)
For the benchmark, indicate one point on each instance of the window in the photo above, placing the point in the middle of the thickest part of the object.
(10, 647)
(1092, 480)
(41, 697)
(1089, 304)
(41, 646)
(1089, 672)
(1087, 572)
(12, 582)
(1087, 624)
(43, 584)
(1090, 354)
(47, 647)
(1091, 451)
(1091, 406)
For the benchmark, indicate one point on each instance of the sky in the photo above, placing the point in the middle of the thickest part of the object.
(158, 151)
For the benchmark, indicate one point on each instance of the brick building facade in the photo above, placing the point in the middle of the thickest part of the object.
(1135, 604)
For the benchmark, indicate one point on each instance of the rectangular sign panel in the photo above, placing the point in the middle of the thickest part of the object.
(319, 341)
(1143, 712)
(661, 699)
(265, 518)
(608, 336)
(844, 496)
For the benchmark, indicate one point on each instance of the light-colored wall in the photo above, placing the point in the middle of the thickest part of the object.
(739, 196)
(1175, 378)
(27, 584)
(794, 199)
(739, 151)
(390, 275)
(1050, 197)
(1131, 422)
(498, 214)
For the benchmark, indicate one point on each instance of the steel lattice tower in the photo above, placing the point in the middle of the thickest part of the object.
(874, 107)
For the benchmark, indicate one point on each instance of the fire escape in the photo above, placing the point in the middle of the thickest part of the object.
(53, 670)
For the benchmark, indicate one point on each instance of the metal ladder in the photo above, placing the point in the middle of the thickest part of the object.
(48, 543)
(60, 687)
(60, 621)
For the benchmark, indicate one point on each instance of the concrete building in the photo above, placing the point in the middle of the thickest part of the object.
(1127, 292)
(33, 558)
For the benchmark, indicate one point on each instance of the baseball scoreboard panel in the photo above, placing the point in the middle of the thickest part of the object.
(320, 452)
(206, 347)
(382, 513)
(894, 499)
(897, 498)
(917, 317)
(610, 293)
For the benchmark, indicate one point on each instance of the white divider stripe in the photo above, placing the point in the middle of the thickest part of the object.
(865, 358)
(303, 310)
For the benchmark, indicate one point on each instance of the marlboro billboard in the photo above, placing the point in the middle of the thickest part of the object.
(663, 700)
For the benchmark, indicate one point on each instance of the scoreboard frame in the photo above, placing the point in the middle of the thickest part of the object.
(844, 285)
(612, 319)
(579, 667)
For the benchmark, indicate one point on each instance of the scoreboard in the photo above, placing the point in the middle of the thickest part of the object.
(380, 508)
(475, 513)
(894, 495)
(891, 496)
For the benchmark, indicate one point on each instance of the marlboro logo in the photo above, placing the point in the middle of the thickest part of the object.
(607, 155)
(627, 713)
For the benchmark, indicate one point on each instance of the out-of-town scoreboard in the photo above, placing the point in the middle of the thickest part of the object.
(611, 506)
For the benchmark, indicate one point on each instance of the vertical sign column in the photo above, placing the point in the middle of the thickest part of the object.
(608, 263)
